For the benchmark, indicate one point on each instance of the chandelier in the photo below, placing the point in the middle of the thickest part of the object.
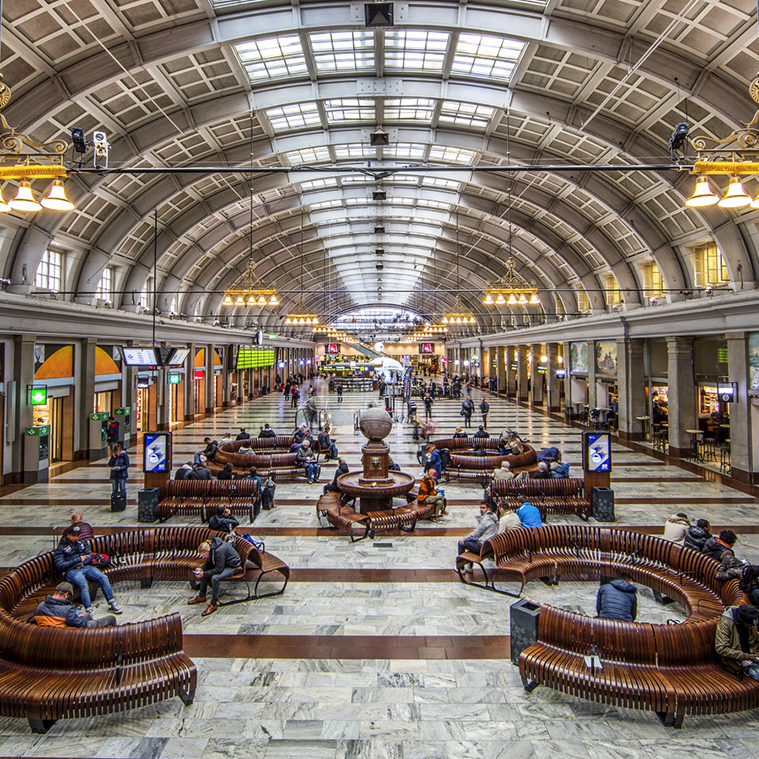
(303, 319)
(511, 289)
(41, 160)
(251, 291)
(734, 156)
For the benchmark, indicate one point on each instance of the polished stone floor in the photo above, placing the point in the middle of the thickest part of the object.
(375, 649)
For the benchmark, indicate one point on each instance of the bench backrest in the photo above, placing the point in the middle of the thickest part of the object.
(684, 645)
(572, 486)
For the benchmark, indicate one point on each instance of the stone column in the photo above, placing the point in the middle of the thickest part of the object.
(536, 385)
(84, 397)
(511, 374)
(500, 354)
(163, 407)
(553, 382)
(631, 380)
(592, 395)
(189, 385)
(567, 375)
(210, 380)
(522, 389)
(23, 373)
(741, 447)
(682, 394)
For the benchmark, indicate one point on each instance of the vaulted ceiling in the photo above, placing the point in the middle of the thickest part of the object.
(298, 88)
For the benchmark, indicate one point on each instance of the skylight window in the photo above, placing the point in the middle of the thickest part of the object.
(405, 150)
(481, 55)
(355, 151)
(465, 114)
(307, 155)
(447, 184)
(342, 51)
(272, 58)
(451, 155)
(318, 184)
(415, 50)
(293, 116)
(409, 109)
(350, 109)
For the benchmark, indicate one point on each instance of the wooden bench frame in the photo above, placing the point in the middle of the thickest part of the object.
(126, 666)
(551, 496)
(668, 669)
(466, 466)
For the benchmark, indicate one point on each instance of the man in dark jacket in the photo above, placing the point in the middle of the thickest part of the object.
(221, 560)
(73, 560)
(737, 641)
(183, 472)
(211, 447)
(342, 468)
(721, 547)
(222, 520)
(466, 411)
(481, 434)
(199, 472)
(327, 445)
(243, 434)
(267, 431)
(226, 472)
(618, 600)
(697, 535)
(57, 610)
(484, 409)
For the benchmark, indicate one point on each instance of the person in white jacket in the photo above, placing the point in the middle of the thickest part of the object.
(676, 528)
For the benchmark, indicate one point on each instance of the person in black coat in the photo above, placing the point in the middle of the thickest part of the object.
(243, 434)
(618, 600)
(342, 468)
(119, 464)
(211, 447)
(467, 407)
(223, 520)
(226, 473)
(267, 431)
(697, 535)
(484, 409)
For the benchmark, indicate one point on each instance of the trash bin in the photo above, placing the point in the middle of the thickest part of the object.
(602, 503)
(524, 626)
(147, 504)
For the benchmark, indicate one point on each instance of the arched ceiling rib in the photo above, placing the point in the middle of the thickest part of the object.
(171, 89)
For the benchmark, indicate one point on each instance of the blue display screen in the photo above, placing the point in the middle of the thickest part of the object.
(155, 452)
(598, 452)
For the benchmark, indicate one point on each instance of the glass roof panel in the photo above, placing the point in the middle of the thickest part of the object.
(293, 116)
(415, 50)
(307, 155)
(465, 114)
(272, 58)
(409, 109)
(350, 109)
(355, 151)
(451, 155)
(404, 150)
(487, 56)
(342, 51)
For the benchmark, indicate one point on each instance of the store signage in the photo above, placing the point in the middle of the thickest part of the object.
(198, 374)
(727, 392)
(174, 379)
(38, 395)
(596, 451)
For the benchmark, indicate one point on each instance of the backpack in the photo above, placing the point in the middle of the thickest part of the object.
(445, 457)
(749, 579)
(559, 471)
(548, 453)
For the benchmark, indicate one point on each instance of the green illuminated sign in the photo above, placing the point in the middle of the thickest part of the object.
(174, 379)
(272, 337)
(38, 396)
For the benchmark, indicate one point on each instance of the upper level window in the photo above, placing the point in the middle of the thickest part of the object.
(613, 295)
(49, 272)
(583, 302)
(652, 280)
(105, 286)
(710, 266)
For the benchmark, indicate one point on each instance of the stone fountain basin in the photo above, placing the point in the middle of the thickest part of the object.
(401, 484)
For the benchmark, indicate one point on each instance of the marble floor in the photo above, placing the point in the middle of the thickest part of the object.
(375, 650)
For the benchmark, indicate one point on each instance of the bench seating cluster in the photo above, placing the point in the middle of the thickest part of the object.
(551, 496)
(203, 497)
(47, 674)
(271, 458)
(345, 519)
(467, 466)
(668, 669)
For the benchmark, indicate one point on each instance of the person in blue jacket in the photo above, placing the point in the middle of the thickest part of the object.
(529, 515)
(618, 600)
(434, 459)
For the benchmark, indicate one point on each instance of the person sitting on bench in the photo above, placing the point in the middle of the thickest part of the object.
(487, 527)
(737, 640)
(327, 445)
(57, 610)
(504, 472)
(618, 600)
(305, 458)
(267, 431)
(221, 560)
(428, 494)
(226, 472)
(222, 520)
(333, 487)
(85, 530)
(529, 515)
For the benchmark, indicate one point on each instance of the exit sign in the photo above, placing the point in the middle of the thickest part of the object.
(174, 379)
(38, 396)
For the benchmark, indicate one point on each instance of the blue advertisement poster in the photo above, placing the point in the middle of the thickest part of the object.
(597, 452)
(155, 452)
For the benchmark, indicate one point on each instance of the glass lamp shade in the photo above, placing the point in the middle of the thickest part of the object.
(512, 299)
(736, 196)
(252, 300)
(534, 298)
(262, 301)
(523, 299)
(25, 200)
(227, 301)
(273, 301)
(239, 301)
(56, 199)
(500, 300)
(488, 300)
(703, 195)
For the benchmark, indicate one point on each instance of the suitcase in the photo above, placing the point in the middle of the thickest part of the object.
(118, 502)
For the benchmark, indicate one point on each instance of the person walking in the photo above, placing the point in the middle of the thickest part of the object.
(339, 392)
(484, 409)
(294, 396)
(467, 407)
(428, 401)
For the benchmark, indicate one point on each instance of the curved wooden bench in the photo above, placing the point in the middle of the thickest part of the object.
(465, 465)
(202, 498)
(551, 496)
(667, 669)
(48, 673)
